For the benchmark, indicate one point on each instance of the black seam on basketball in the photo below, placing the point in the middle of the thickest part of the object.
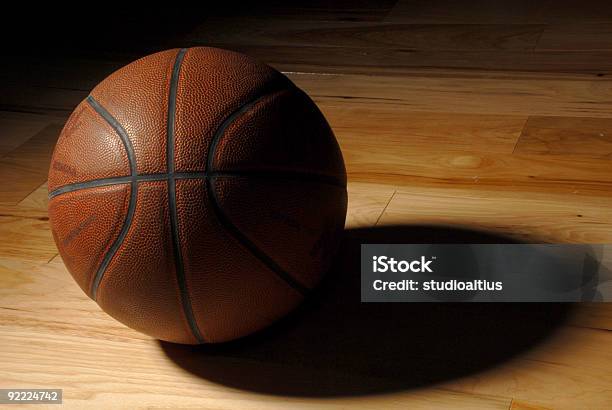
(105, 182)
(133, 193)
(89, 184)
(119, 129)
(276, 85)
(289, 176)
(122, 180)
(178, 256)
(171, 115)
(259, 254)
(220, 214)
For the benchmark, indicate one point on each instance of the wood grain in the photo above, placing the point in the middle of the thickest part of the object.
(17, 128)
(541, 376)
(504, 96)
(568, 136)
(473, 170)
(535, 218)
(64, 333)
(576, 36)
(521, 405)
(502, 11)
(592, 315)
(27, 165)
(408, 62)
(366, 203)
(401, 130)
(369, 35)
(42, 100)
(320, 10)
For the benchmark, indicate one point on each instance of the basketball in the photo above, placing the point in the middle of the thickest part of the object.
(197, 195)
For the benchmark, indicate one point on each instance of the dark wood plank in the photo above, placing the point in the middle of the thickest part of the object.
(16, 128)
(69, 73)
(501, 11)
(577, 37)
(279, 32)
(384, 61)
(321, 10)
(56, 102)
(26, 167)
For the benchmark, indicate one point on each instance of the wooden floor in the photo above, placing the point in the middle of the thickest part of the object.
(459, 121)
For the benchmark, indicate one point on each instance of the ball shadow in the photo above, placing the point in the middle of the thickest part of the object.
(334, 345)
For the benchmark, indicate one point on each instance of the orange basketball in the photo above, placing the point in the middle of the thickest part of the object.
(197, 195)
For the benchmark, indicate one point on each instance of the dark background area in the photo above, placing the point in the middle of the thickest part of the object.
(118, 29)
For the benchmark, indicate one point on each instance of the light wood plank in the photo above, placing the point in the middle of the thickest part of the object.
(36, 201)
(537, 217)
(521, 405)
(401, 130)
(147, 380)
(71, 332)
(569, 370)
(592, 315)
(366, 203)
(568, 136)
(27, 238)
(465, 95)
(474, 170)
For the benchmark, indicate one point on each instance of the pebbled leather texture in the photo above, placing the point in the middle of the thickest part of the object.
(231, 233)
(139, 287)
(304, 215)
(77, 159)
(213, 84)
(84, 224)
(137, 97)
(233, 293)
(283, 132)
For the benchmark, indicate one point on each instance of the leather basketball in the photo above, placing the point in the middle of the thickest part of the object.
(197, 195)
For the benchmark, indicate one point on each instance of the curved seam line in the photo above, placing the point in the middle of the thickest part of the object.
(133, 193)
(232, 229)
(221, 216)
(178, 257)
(89, 184)
(292, 176)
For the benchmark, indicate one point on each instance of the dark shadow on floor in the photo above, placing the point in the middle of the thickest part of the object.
(333, 345)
